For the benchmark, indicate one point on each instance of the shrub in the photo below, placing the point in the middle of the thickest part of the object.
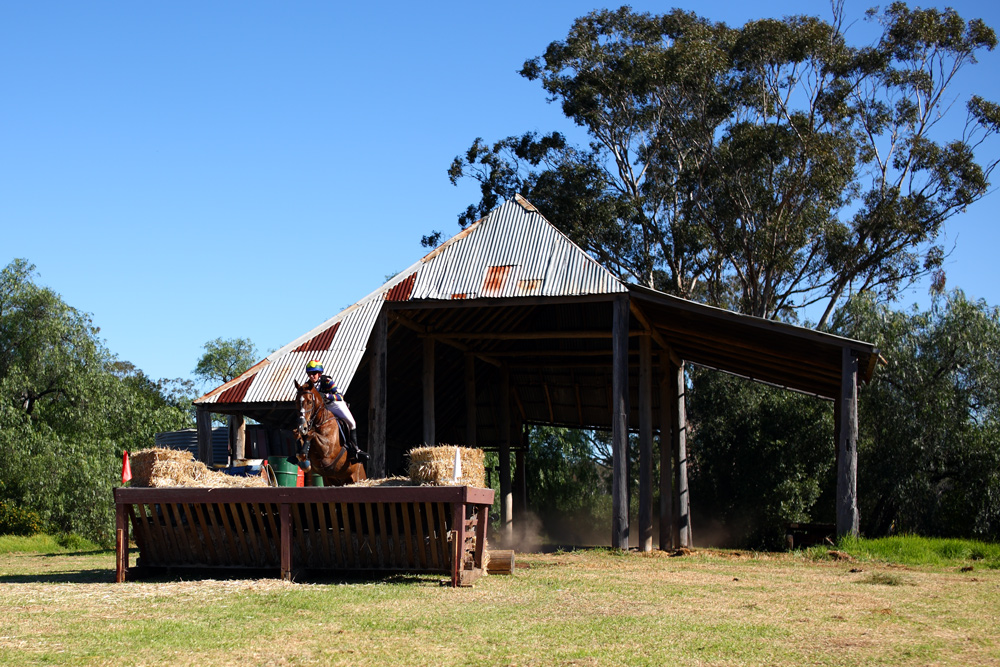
(16, 520)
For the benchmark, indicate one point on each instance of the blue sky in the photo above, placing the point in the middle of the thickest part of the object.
(191, 170)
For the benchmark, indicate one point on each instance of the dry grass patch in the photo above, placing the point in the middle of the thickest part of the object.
(585, 607)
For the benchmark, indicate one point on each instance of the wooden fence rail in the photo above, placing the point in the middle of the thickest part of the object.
(425, 529)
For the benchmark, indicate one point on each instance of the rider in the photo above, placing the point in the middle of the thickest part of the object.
(336, 404)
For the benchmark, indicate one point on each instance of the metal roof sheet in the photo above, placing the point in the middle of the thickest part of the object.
(512, 252)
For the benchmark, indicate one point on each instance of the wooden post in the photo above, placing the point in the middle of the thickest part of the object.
(619, 423)
(285, 537)
(520, 476)
(645, 444)
(506, 496)
(667, 524)
(204, 421)
(429, 438)
(121, 543)
(458, 541)
(679, 439)
(377, 396)
(470, 401)
(847, 446)
(238, 436)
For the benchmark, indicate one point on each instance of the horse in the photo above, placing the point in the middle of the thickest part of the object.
(320, 447)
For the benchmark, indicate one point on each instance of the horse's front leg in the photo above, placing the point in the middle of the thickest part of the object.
(305, 440)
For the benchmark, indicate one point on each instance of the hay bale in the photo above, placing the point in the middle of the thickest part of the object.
(161, 467)
(436, 466)
(386, 481)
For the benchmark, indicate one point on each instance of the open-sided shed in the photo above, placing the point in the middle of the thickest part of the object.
(510, 323)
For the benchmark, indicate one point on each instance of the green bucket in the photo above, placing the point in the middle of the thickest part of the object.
(317, 480)
(287, 474)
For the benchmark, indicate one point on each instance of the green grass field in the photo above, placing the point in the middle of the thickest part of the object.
(859, 604)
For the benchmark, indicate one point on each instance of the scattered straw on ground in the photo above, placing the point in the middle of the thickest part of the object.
(161, 467)
(436, 466)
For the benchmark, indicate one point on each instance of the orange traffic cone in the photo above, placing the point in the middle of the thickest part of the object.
(126, 469)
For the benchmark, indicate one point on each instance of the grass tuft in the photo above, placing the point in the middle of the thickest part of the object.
(43, 543)
(883, 579)
(916, 550)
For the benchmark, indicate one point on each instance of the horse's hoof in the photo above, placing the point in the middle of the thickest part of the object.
(305, 465)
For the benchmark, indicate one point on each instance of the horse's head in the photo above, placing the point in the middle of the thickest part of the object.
(309, 402)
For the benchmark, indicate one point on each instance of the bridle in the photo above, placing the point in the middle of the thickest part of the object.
(316, 417)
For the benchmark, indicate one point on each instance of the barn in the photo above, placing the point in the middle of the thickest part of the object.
(510, 324)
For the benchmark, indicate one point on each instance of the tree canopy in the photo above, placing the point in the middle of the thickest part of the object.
(226, 359)
(764, 168)
(69, 408)
(928, 458)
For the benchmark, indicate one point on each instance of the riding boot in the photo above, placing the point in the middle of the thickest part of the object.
(356, 453)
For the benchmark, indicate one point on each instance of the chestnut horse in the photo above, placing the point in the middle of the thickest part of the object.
(319, 440)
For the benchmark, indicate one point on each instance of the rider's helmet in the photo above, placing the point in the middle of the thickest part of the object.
(314, 367)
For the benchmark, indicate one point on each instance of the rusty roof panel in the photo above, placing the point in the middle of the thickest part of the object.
(319, 342)
(512, 244)
(402, 291)
(237, 392)
(511, 252)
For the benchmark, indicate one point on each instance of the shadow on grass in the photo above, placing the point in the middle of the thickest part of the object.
(94, 576)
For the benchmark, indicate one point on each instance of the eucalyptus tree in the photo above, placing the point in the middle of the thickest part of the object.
(930, 419)
(225, 359)
(764, 168)
(69, 408)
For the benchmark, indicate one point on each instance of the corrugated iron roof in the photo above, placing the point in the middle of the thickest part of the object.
(512, 252)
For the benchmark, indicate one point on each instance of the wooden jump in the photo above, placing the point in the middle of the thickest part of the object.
(411, 529)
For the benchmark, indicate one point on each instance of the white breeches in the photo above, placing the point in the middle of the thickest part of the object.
(340, 409)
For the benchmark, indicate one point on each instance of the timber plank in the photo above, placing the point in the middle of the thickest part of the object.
(257, 555)
(235, 528)
(312, 548)
(335, 535)
(210, 554)
(345, 515)
(324, 531)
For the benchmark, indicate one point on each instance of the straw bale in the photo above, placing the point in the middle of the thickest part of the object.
(436, 466)
(161, 467)
(387, 481)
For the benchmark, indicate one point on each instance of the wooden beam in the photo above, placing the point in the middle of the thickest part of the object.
(648, 325)
(506, 495)
(735, 343)
(527, 335)
(204, 423)
(377, 397)
(517, 401)
(645, 444)
(520, 482)
(847, 447)
(470, 401)
(666, 468)
(542, 354)
(421, 332)
(428, 389)
(579, 402)
(237, 436)
(548, 401)
(678, 420)
(619, 424)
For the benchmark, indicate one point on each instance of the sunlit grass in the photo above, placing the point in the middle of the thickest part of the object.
(916, 550)
(43, 543)
(590, 607)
